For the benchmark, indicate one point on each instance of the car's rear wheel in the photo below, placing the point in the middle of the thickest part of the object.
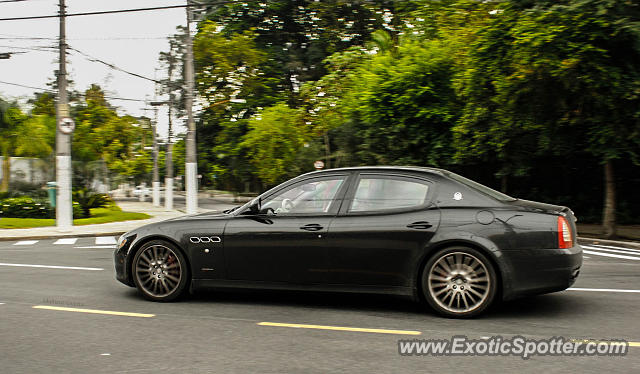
(459, 282)
(160, 271)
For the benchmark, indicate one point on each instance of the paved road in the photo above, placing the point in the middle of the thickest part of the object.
(220, 332)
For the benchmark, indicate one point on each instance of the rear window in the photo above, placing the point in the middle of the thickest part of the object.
(480, 187)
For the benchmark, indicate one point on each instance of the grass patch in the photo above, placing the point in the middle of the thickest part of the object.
(98, 215)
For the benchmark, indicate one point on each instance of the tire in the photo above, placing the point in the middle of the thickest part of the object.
(459, 282)
(160, 271)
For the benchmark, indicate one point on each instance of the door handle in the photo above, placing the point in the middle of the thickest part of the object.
(420, 225)
(312, 227)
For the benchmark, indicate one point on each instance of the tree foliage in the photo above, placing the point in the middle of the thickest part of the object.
(274, 142)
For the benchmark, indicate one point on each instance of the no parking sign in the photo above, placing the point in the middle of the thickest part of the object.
(66, 125)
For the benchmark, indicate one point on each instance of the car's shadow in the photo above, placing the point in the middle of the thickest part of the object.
(308, 299)
(542, 306)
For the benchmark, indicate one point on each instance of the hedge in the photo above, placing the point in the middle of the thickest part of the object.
(27, 207)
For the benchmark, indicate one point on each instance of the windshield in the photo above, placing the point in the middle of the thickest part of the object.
(480, 187)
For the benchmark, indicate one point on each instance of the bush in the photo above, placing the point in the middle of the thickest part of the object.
(26, 207)
(88, 200)
(21, 188)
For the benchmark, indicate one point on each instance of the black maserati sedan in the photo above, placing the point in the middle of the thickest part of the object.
(421, 232)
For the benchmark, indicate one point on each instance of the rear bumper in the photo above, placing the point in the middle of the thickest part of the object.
(538, 271)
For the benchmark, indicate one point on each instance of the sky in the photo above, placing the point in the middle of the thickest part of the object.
(131, 41)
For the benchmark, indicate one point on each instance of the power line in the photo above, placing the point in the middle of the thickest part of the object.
(41, 49)
(117, 11)
(54, 91)
(112, 66)
(25, 37)
(25, 86)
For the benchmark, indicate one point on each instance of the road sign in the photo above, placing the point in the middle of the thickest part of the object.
(318, 164)
(66, 125)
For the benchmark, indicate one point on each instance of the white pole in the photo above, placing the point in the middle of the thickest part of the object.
(156, 193)
(168, 193)
(64, 209)
(191, 165)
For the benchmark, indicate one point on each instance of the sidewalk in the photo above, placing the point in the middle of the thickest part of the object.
(112, 228)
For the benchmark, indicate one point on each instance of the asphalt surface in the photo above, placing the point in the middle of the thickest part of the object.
(215, 332)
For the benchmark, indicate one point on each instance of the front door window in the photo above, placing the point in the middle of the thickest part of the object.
(316, 196)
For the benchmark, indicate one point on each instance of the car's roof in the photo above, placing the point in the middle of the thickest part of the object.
(421, 169)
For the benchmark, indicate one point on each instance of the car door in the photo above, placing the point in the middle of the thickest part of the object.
(383, 226)
(285, 242)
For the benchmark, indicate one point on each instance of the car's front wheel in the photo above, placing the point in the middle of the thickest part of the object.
(459, 282)
(160, 271)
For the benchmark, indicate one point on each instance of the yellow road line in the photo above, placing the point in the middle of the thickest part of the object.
(340, 328)
(631, 344)
(94, 311)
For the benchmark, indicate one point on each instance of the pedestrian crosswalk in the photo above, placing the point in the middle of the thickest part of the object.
(101, 240)
(611, 252)
(85, 242)
(66, 241)
(26, 242)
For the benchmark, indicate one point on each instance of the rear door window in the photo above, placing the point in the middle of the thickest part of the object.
(375, 193)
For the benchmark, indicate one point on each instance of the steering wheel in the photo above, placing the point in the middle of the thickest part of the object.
(287, 205)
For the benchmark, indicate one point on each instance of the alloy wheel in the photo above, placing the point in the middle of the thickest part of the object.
(158, 270)
(459, 282)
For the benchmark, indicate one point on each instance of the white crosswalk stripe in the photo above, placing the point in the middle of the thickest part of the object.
(101, 240)
(96, 246)
(65, 241)
(622, 253)
(26, 242)
(614, 247)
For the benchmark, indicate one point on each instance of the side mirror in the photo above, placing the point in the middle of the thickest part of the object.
(254, 207)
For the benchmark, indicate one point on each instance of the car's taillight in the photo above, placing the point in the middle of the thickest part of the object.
(565, 237)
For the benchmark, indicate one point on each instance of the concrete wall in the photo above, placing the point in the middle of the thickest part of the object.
(31, 170)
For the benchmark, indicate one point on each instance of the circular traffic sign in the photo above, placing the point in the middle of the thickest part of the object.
(318, 164)
(66, 125)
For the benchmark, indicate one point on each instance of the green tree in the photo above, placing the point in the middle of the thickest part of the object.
(101, 134)
(230, 81)
(565, 78)
(274, 141)
(401, 104)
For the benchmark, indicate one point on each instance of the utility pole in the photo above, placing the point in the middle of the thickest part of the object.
(191, 165)
(64, 211)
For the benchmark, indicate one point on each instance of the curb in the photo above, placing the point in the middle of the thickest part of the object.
(65, 235)
(608, 242)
